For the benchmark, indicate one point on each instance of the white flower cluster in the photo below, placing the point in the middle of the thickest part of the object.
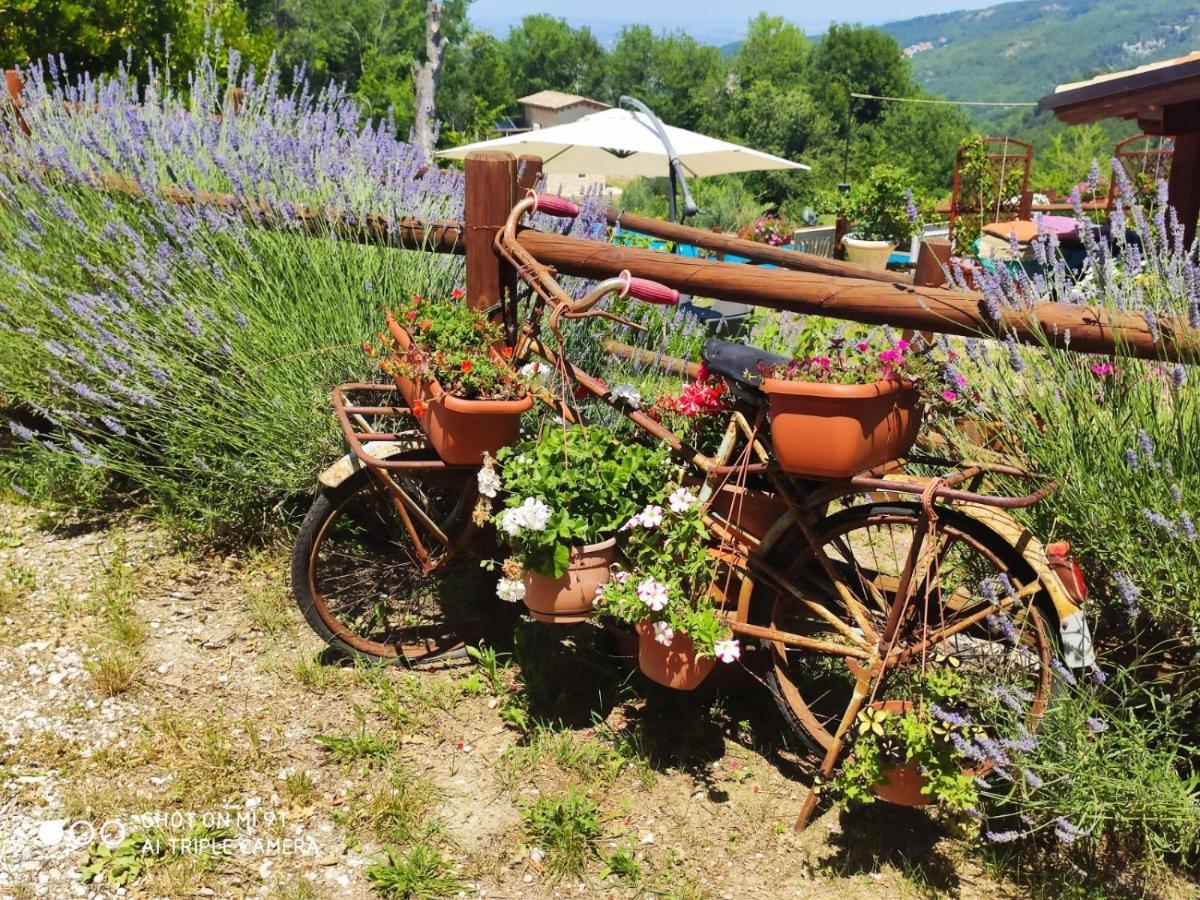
(628, 393)
(510, 590)
(536, 369)
(650, 517)
(532, 514)
(653, 593)
(681, 500)
(489, 482)
(664, 633)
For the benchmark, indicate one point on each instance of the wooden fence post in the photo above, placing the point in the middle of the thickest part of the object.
(491, 186)
(933, 258)
(15, 85)
(529, 170)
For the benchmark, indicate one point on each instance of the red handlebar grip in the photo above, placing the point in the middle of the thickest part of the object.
(653, 292)
(556, 206)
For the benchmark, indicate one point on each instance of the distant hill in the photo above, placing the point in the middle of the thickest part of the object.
(1020, 51)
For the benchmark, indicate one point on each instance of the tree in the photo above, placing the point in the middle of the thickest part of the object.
(862, 60)
(673, 74)
(426, 72)
(370, 46)
(475, 90)
(775, 52)
(95, 36)
(545, 53)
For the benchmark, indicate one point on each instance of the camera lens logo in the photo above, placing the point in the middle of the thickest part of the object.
(73, 835)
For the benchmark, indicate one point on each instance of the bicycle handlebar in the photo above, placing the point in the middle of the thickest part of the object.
(653, 292)
(554, 206)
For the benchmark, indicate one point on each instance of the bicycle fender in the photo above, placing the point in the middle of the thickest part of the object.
(349, 464)
(1074, 635)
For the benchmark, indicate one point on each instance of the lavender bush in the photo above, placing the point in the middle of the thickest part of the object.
(1121, 435)
(180, 355)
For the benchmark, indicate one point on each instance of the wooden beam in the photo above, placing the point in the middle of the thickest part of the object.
(491, 189)
(724, 243)
(1180, 118)
(1091, 330)
(14, 88)
(1183, 187)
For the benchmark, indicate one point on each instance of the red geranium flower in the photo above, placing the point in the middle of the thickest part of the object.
(457, 293)
(411, 315)
(419, 408)
(466, 365)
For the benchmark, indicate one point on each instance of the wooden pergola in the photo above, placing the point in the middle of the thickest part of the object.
(1164, 98)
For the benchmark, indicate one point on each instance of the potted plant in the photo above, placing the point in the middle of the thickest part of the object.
(697, 414)
(904, 754)
(566, 493)
(448, 362)
(882, 214)
(665, 588)
(770, 230)
(835, 415)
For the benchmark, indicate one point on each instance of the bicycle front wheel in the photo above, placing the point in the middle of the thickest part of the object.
(382, 582)
(962, 573)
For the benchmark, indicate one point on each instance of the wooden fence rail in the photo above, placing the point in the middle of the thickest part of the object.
(805, 284)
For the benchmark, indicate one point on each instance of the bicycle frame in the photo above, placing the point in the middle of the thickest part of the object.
(867, 652)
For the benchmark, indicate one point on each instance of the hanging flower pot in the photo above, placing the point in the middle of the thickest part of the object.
(829, 430)
(572, 597)
(460, 430)
(754, 512)
(676, 666)
(900, 785)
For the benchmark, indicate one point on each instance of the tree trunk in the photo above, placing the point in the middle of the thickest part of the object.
(425, 79)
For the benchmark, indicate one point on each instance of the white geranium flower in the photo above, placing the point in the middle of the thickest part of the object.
(510, 590)
(489, 482)
(536, 369)
(727, 651)
(512, 521)
(534, 514)
(681, 500)
(664, 633)
(628, 393)
(653, 593)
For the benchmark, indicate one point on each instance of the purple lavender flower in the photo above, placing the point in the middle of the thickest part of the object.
(20, 431)
(1098, 676)
(1158, 520)
(999, 622)
(958, 720)
(1128, 592)
(1096, 725)
(1032, 780)
(1002, 837)
(1062, 671)
(1067, 832)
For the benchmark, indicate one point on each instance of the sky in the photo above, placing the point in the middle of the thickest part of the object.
(712, 21)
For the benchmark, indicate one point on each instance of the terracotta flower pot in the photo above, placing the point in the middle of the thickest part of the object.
(838, 430)
(676, 666)
(871, 255)
(572, 597)
(900, 785)
(461, 431)
(754, 512)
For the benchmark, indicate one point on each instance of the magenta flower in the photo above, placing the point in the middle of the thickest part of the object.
(1102, 370)
(862, 346)
(949, 396)
(889, 356)
(902, 345)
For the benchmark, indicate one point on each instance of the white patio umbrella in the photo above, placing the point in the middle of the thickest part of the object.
(624, 144)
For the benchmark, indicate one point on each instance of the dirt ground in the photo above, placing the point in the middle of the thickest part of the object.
(179, 702)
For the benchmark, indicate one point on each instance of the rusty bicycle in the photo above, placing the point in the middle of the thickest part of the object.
(844, 586)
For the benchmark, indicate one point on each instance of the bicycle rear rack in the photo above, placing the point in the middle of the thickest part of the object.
(366, 443)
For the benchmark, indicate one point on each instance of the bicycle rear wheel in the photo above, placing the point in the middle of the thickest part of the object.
(1004, 652)
(372, 592)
